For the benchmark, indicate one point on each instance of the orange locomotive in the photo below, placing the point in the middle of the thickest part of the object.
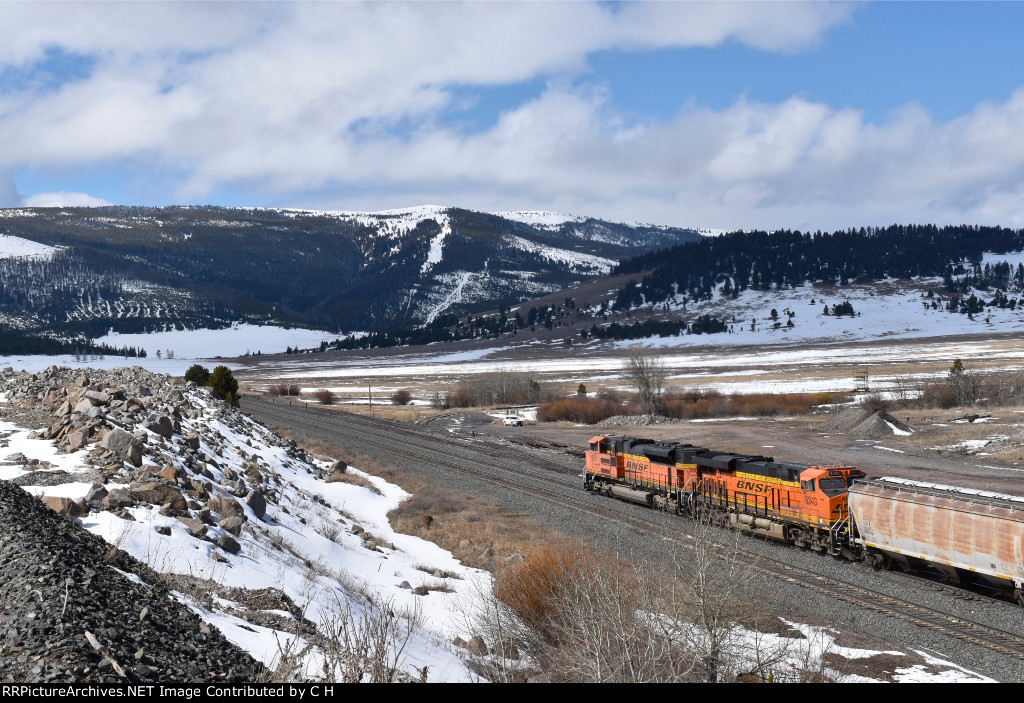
(788, 501)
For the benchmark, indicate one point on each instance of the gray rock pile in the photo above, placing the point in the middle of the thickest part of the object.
(134, 426)
(69, 612)
(637, 420)
(146, 441)
(858, 422)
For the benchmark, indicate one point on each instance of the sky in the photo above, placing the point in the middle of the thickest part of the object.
(808, 115)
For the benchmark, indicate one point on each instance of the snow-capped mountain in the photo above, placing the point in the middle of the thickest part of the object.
(85, 271)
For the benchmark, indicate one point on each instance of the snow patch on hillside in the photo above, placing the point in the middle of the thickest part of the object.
(453, 296)
(541, 219)
(576, 261)
(437, 244)
(12, 247)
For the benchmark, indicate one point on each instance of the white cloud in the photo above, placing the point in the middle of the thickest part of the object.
(347, 100)
(63, 199)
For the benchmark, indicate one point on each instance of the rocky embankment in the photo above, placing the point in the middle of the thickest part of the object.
(142, 441)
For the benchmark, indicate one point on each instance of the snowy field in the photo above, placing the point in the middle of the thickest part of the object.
(237, 340)
(775, 370)
(188, 346)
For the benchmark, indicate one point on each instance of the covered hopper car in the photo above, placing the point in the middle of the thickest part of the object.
(831, 509)
(965, 534)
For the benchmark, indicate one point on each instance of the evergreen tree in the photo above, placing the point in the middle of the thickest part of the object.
(224, 385)
(199, 375)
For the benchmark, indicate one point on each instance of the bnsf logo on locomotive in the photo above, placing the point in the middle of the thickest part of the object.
(751, 486)
(636, 465)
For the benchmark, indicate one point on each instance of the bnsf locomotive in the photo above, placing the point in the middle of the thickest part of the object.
(965, 534)
(797, 503)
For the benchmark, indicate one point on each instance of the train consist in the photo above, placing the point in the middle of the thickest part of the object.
(964, 534)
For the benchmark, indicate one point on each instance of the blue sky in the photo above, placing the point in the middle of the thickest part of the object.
(720, 115)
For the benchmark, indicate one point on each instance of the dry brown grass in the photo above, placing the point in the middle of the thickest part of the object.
(477, 531)
(536, 586)
(353, 479)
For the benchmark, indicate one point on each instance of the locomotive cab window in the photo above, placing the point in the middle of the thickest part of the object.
(807, 485)
(832, 484)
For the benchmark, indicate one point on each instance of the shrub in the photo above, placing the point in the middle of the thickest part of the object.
(401, 397)
(579, 408)
(462, 397)
(874, 403)
(223, 383)
(199, 375)
(537, 587)
(325, 396)
(938, 395)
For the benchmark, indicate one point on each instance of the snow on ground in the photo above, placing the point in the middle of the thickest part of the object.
(12, 247)
(237, 340)
(894, 314)
(314, 531)
(821, 641)
(574, 260)
(540, 219)
(741, 371)
(437, 244)
(458, 280)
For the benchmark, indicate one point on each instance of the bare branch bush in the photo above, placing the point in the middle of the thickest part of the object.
(646, 371)
(403, 396)
(574, 614)
(325, 396)
(364, 643)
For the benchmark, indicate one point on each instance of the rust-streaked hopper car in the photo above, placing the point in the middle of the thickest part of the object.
(964, 534)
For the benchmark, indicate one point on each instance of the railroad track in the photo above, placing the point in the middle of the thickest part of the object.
(549, 485)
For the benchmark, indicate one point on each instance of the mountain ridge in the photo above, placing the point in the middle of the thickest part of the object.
(76, 271)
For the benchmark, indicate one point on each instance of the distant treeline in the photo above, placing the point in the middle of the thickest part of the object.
(787, 258)
(16, 342)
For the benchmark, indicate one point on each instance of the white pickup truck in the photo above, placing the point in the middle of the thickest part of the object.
(512, 419)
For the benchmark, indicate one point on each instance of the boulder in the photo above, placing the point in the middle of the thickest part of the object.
(232, 524)
(226, 506)
(117, 498)
(195, 528)
(168, 473)
(228, 544)
(122, 445)
(64, 507)
(477, 646)
(78, 439)
(257, 503)
(158, 493)
(161, 425)
(95, 495)
(97, 397)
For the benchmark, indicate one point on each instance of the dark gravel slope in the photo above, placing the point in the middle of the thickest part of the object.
(58, 582)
